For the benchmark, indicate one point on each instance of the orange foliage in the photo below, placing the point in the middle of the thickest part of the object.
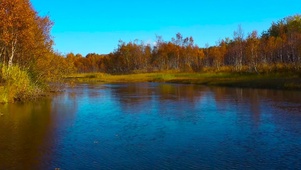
(277, 48)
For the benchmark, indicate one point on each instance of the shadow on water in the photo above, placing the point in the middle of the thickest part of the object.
(28, 133)
(153, 126)
(24, 129)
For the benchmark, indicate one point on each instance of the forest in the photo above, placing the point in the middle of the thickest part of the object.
(29, 66)
(275, 50)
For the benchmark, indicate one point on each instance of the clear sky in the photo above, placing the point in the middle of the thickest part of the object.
(87, 26)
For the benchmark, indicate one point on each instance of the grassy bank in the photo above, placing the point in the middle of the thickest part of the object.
(17, 85)
(247, 80)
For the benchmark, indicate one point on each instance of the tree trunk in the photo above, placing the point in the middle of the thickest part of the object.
(13, 50)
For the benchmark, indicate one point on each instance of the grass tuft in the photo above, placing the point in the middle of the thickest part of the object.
(17, 85)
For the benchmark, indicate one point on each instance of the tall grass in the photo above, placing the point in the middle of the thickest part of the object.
(17, 85)
(163, 77)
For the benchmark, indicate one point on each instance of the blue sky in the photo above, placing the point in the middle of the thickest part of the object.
(87, 26)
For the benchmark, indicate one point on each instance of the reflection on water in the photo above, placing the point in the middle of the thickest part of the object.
(153, 126)
(23, 134)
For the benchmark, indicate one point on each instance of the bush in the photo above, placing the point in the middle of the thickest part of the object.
(17, 85)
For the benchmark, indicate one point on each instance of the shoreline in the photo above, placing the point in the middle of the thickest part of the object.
(272, 81)
(279, 81)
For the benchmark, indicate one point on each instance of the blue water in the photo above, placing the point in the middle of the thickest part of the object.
(153, 126)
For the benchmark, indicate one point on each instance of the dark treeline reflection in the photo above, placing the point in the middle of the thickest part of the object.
(158, 98)
(139, 97)
(254, 103)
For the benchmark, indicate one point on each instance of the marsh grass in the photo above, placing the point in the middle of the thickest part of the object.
(17, 85)
(245, 79)
(163, 77)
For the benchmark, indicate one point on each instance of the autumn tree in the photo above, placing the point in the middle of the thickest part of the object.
(23, 33)
(238, 47)
(189, 54)
(284, 36)
(216, 55)
(294, 39)
(252, 51)
(26, 49)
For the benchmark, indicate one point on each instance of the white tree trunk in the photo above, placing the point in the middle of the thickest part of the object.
(13, 50)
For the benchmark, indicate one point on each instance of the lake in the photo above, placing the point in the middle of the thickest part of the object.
(153, 126)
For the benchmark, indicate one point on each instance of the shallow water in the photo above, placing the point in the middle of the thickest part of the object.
(153, 126)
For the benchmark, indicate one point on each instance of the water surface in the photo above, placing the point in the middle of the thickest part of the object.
(153, 126)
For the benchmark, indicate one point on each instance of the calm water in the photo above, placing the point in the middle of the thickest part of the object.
(153, 126)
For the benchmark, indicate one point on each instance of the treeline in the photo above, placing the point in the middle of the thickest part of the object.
(27, 60)
(277, 49)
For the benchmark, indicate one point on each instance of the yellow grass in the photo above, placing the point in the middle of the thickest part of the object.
(274, 81)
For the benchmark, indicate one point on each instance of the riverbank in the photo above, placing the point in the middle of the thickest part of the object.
(245, 80)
